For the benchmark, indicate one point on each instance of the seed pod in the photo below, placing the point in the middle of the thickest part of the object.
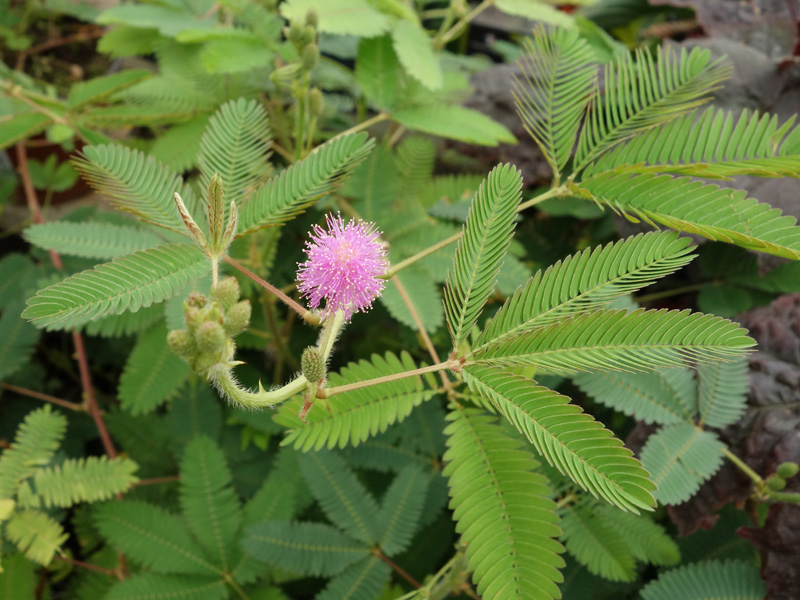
(776, 483)
(788, 469)
(210, 338)
(238, 318)
(181, 343)
(312, 365)
(226, 292)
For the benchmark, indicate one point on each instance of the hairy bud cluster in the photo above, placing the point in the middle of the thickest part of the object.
(312, 365)
(211, 323)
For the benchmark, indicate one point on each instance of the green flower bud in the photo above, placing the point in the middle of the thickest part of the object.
(210, 338)
(776, 483)
(316, 102)
(216, 212)
(296, 33)
(311, 18)
(788, 469)
(309, 35)
(193, 316)
(226, 292)
(312, 365)
(285, 74)
(196, 299)
(181, 343)
(238, 318)
(310, 56)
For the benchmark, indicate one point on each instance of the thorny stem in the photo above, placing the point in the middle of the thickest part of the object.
(306, 314)
(396, 568)
(47, 398)
(328, 392)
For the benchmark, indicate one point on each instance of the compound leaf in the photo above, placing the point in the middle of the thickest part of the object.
(84, 480)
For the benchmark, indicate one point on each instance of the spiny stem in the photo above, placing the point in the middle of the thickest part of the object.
(328, 392)
(47, 398)
(306, 314)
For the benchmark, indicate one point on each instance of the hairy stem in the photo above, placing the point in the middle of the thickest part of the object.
(306, 314)
(328, 392)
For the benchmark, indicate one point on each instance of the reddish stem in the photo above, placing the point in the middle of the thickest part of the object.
(157, 480)
(91, 567)
(397, 569)
(87, 33)
(39, 396)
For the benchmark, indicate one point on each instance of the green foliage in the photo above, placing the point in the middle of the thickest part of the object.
(423, 294)
(236, 146)
(347, 17)
(711, 145)
(497, 494)
(416, 54)
(377, 71)
(355, 416)
(722, 393)
(454, 122)
(401, 510)
(128, 283)
(84, 480)
(712, 580)
(167, 587)
(18, 340)
(17, 579)
(37, 535)
(292, 191)
(481, 250)
(558, 78)
(152, 374)
(91, 240)
(133, 182)
(100, 88)
(569, 439)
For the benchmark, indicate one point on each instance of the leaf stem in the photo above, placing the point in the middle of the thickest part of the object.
(89, 566)
(420, 255)
(670, 293)
(15, 92)
(157, 480)
(396, 568)
(382, 116)
(455, 30)
(306, 314)
(47, 398)
(328, 392)
(760, 484)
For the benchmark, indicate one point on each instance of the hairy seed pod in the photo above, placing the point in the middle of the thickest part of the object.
(210, 338)
(181, 343)
(312, 365)
(226, 292)
(238, 318)
(788, 469)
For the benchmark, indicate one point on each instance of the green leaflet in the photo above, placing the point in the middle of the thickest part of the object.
(21, 127)
(722, 393)
(401, 510)
(236, 146)
(362, 581)
(595, 460)
(127, 323)
(480, 251)
(413, 48)
(37, 439)
(152, 537)
(133, 181)
(558, 80)
(680, 458)
(586, 281)
(208, 500)
(374, 184)
(152, 374)
(617, 340)
(91, 240)
(100, 88)
(423, 294)
(378, 72)
(359, 414)
(307, 548)
(18, 578)
(683, 204)
(17, 341)
(36, 534)
(345, 17)
(84, 480)
(342, 497)
(177, 147)
(456, 123)
(496, 494)
(648, 397)
(169, 587)
(710, 580)
(127, 283)
(712, 145)
(416, 159)
(646, 93)
(293, 190)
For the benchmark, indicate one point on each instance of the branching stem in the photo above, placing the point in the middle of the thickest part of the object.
(328, 392)
(396, 568)
(47, 398)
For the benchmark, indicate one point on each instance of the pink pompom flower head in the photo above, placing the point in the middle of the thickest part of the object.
(343, 267)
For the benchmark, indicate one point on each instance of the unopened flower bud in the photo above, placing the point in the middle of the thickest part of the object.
(210, 337)
(309, 35)
(196, 300)
(296, 33)
(310, 56)
(238, 318)
(311, 18)
(316, 102)
(226, 292)
(788, 469)
(776, 483)
(216, 211)
(193, 316)
(312, 365)
(181, 343)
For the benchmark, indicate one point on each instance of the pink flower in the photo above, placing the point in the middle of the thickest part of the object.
(343, 267)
